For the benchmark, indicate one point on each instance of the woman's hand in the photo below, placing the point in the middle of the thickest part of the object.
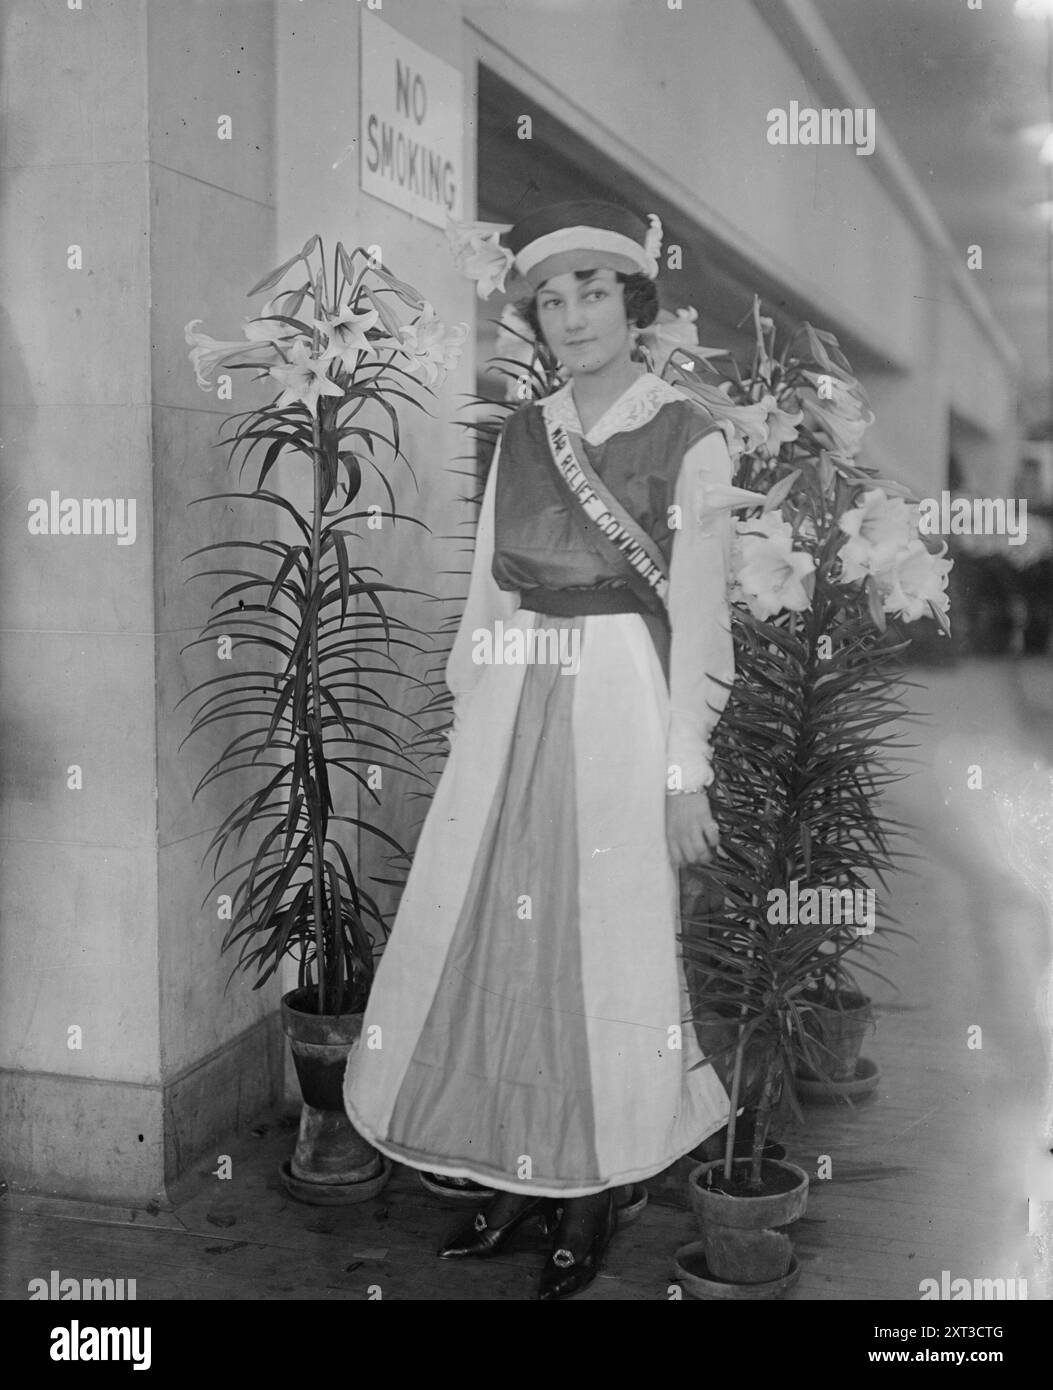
(691, 832)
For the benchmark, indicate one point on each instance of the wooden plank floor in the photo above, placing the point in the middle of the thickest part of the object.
(931, 1174)
(272, 1247)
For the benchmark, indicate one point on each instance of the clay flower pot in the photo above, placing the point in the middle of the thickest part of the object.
(743, 1239)
(838, 1032)
(332, 1164)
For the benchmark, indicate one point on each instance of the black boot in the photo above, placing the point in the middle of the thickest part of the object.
(485, 1237)
(586, 1228)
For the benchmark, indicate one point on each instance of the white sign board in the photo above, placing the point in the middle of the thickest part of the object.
(411, 121)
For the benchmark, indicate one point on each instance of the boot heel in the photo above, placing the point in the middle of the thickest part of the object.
(481, 1240)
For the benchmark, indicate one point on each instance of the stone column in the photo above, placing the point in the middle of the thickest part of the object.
(138, 168)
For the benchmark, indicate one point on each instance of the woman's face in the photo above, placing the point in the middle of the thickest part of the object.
(583, 321)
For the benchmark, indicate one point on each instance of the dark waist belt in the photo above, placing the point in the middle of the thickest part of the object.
(572, 603)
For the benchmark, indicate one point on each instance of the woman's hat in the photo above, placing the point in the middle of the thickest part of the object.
(565, 237)
(555, 240)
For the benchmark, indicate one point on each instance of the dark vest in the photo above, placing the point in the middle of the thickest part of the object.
(535, 543)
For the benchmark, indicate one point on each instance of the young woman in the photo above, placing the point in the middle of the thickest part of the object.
(531, 1001)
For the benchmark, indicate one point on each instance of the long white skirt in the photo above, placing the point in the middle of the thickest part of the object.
(527, 1025)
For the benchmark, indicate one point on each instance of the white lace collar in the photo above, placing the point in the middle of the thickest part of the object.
(638, 403)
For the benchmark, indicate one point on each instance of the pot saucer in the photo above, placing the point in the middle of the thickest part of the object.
(691, 1271)
(335, 1194)
(474, 1196)
(632, 1205)
(864, 1083)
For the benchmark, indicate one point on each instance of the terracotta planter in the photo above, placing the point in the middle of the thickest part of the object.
(690, 1268)
(839, 1034)
(742, 1237)
(330, 1154)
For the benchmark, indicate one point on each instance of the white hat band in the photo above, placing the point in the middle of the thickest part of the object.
(585, 239)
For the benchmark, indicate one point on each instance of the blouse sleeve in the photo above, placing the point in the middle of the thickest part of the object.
(486, 603)
(701, 653)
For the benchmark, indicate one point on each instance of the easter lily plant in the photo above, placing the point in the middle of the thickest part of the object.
(827, 560)
(323, 690)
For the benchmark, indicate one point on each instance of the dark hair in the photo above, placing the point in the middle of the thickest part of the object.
(639, 292)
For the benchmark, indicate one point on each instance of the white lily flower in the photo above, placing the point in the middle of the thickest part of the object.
(782, 426)
(916, 579)
(348, 342)
(718, 497)
(878, 530)
(771, 574)
(304, 379)
(208, 353)
(266, 329)
(433, 348)
(478, 253)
